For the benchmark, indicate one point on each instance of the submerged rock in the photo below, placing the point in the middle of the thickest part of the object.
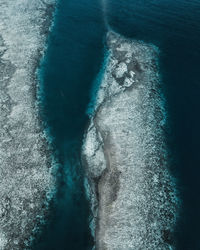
(133, 196)
(25, 172)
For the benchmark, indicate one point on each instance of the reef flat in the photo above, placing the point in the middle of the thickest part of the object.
(133, 195)
(25, 166)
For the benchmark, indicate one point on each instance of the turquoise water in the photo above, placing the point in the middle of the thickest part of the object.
(72, 62)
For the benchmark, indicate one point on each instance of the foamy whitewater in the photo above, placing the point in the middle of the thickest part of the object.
(133, 196)
(25, 172)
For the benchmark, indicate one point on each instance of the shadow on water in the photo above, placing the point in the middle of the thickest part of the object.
(73, 58)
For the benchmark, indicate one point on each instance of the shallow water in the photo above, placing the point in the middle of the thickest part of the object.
(73, 59)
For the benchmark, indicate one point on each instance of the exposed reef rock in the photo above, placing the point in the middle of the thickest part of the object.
(133, 197)
(25, 172)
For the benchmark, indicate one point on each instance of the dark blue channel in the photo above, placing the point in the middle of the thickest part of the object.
(72, 60)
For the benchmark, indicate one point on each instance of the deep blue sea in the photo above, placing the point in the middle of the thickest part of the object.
(72, 61)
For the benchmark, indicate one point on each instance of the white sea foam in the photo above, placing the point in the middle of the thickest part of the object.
(133, 195)
(104, 8)
(25, 174)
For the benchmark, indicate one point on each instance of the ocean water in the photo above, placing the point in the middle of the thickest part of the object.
(72, 62)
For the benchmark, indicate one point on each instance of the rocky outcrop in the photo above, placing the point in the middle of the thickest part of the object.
(132, 193)
(25, 165)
